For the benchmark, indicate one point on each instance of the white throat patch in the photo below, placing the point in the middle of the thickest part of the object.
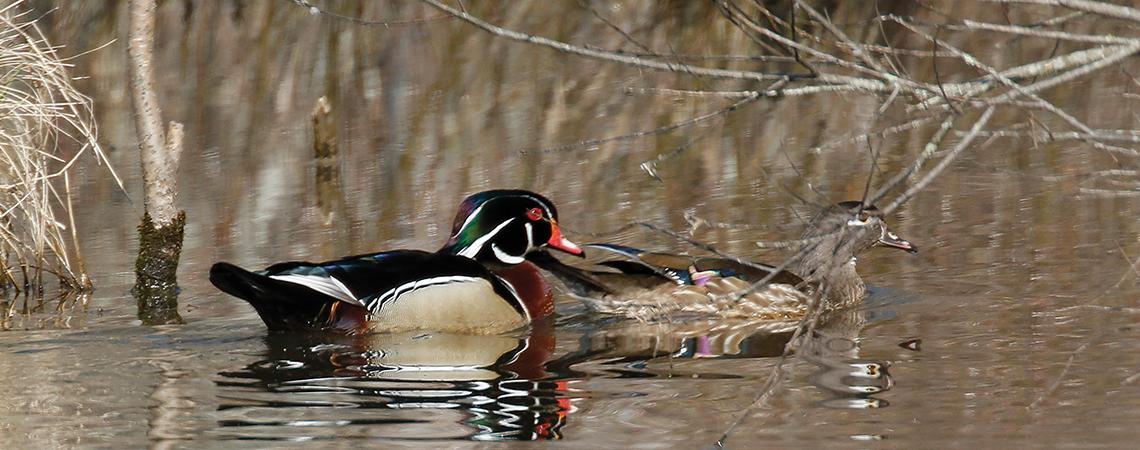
(507, 258)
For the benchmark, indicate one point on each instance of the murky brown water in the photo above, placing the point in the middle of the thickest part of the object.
(1022, 295)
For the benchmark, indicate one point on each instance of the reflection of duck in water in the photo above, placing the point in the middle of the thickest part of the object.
(436, 356)
(833, 346)
(654, 286)
(495, 386)
(629, 349)
(728, 338)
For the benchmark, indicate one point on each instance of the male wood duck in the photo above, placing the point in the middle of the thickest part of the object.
(479, 282)
(651, 285)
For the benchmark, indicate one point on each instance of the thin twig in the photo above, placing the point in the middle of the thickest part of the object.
(597, 54)
(643, 133)
(1098, 8)
(927, 152)
(313, 9)
(942, 164)
(968, 24)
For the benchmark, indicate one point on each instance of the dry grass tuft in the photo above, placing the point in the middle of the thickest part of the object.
(46, 125)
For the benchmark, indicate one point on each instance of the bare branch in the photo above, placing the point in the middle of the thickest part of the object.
(1060, 35)
(597, 54)
(850, 44)
(1049, 66)
(1099, 8)
(386, 23)
(1130, 136)
(659, 130)
(946, 160)
(927, 151)
(831, 78)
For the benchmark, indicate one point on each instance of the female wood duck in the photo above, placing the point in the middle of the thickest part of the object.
(649, 285)
(479, 282)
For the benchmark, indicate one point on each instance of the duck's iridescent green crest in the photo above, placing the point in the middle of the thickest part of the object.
(504, 225)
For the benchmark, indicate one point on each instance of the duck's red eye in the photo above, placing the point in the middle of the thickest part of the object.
(534, 214)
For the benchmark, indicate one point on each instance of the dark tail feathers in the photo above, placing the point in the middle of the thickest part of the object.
(281, 305)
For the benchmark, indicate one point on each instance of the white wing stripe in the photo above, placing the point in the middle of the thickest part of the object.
(329, 286)
(517, 298)
(394, 294)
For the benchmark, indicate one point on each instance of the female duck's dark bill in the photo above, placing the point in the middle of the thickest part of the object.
(890, 239)
(558, 241)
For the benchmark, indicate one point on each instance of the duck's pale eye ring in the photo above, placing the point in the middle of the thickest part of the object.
(534, 214)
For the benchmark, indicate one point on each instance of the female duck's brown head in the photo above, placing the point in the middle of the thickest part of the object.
(834, 238)
(855, 215)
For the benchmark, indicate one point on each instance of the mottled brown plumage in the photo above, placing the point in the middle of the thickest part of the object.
(656, 286)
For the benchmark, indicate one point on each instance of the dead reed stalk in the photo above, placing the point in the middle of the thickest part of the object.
(46, 126)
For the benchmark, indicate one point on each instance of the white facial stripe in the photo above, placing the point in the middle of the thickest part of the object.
(394, 294)
(507, 258)
(477, 246)
(547, 212)
(470, 218)
(529, 236)
(329, 286)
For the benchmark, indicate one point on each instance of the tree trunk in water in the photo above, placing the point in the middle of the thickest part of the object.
(156, 286)
(161, 230)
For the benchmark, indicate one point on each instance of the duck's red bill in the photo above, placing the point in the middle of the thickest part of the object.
(558, 241)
